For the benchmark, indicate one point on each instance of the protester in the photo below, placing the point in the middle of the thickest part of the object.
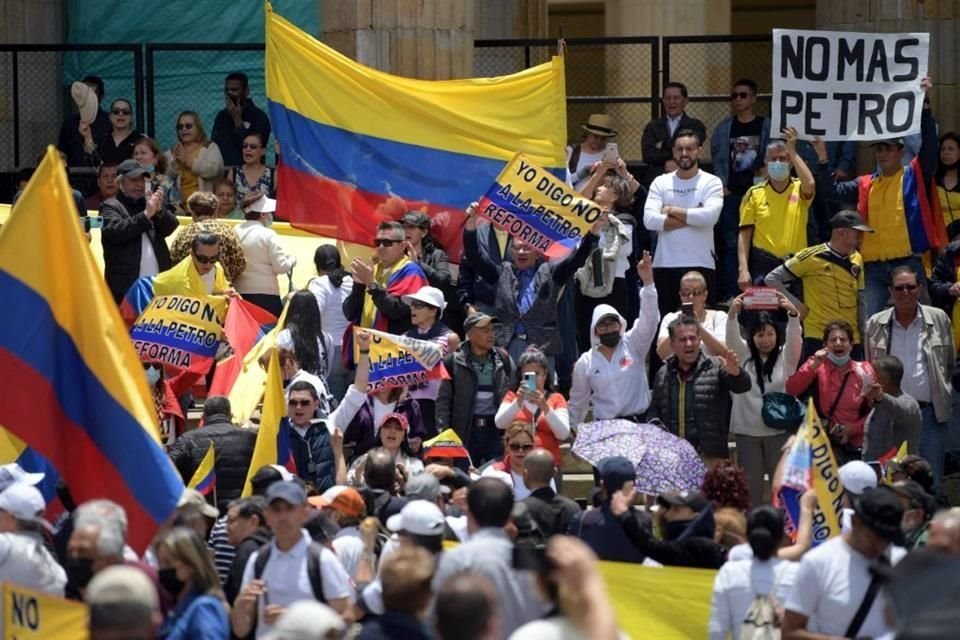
(87, 96)
(725, 486)
(617, 359)
(266, 258)
(187, 573)
(597, 132)
(856, 477)
(479, 373)
(658, 134)
(896, 416)
(117, 145)
(918, 509)
(393, 436)
(947, 182)
(713, 322)
(346, 509)
(202, 206)
(406, 575)
(466, 609)
(24, 560)
(835, 593)
(330, 287)
(233, 447)
(382, 481)
(426, 251)
(316, 450)
(253, 179)
(304, 334)
(239, 117)
(426, 309)
(134, 228)
(519, 439)
(295, 575)
(711, 379)
(741, 584)
(841, 383)
(770, 356)
(194, 161)
(921, 337)
(148, 155)
(945, 531)
(123, 604)
(537, 405)
(551, 511)
(307, 620)
(246, 532)
(106, 186)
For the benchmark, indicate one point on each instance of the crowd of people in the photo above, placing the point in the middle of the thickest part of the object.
(711, 304)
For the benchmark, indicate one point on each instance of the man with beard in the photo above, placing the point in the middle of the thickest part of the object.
(682, 207)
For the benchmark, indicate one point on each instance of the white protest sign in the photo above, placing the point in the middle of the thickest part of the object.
(848, 86)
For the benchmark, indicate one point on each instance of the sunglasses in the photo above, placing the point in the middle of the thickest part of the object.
(206, 259)
(906, 287)
(299, 403)
(184, 126)
(250, 145)
(386, 242)
(743, 95)
(520, 447)
(121, 112)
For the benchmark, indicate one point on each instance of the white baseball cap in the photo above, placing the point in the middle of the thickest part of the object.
(427, 295)
(306, 620)
(24, 502)
(857, 476)
(13, 473)
(263, 205)
(419, 517)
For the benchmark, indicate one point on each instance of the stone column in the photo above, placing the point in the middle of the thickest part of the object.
(427, 39)
(508, 19)
(939, 18)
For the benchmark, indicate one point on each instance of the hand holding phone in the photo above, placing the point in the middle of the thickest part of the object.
(686, 309)
(530, 381)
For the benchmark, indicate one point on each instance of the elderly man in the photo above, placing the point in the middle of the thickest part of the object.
(945, 531)
(657, 141)
(123, 604)
(24, 560)
(922, 338)
(134, 230)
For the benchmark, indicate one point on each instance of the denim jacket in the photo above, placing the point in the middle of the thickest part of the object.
(720, 147)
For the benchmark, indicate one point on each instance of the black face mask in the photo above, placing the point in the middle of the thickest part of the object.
(168, 580)
(672, 530)
(79, 571)
(611, 339)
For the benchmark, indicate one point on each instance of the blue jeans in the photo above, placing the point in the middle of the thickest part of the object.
(485, 443)
(877, 276)
(933, 443)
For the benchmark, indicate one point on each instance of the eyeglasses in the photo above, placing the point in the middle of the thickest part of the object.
(299, 403)
(906, 287)
(206, 259)
(385, 242)
(520, 447)
(606, 324)
(121, 112)
(418, 304)
(184, 126)
(250, 145)
(743, 95)
(691, 293)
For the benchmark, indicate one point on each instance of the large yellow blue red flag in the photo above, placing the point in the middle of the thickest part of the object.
(73, 388)
(354, 139)
(273, 442)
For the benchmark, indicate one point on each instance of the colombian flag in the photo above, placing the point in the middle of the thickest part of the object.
(13, 449)
(355, 140)
(273, 439)
(245, 325)
(204, 478)
(73, 387)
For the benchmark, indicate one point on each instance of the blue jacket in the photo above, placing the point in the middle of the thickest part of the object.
(394, 626)
(198, 617)
(314, 447)
(720, 147)
(605, 534)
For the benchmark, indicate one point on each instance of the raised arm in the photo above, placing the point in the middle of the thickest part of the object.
(644, 328)
(734, 340)
(481, 262)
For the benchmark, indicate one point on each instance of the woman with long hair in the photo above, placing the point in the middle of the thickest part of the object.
(392, 436)
(195, 161)
(187, 573)
(304, 335)
(254, 178)
(739, 582)
(769, 357)
(947, 180)
(116, 146)
(330, 287)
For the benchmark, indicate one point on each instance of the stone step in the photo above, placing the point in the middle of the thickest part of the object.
(577, 486)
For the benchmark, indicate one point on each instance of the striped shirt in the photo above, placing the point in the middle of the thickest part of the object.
(223, 551)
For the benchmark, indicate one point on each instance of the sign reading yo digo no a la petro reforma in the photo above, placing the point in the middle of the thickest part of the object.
(848, 86)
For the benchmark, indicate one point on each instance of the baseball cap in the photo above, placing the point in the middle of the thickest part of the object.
(343, 499)
(918, 497)
(131, 169)
(267, 475)
(195, 499)
(306, 620)
(849, 220)
(289, 491)
(691, 499)
(478, 319)
(13, 473)
(857, 476)
(24, 502)
(263, 204)
(424, 486)
(419, 517)
(399, 417)
(415, 218)
(122, 584)
(893, 142)
(427, 295)
(616, 471)
(880, 510)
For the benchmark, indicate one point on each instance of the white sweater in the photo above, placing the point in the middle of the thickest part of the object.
(745, 417)
(265, 259)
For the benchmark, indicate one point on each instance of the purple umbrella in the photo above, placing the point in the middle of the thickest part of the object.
(664, 461)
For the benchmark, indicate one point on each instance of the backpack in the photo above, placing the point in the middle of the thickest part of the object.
(760, 622)
(314, 553)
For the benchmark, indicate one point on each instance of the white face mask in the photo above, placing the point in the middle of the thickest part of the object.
(267, 219)
(778, 170)
(153, 375)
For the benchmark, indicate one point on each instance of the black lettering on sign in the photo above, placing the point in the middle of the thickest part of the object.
(25, 611)
(791, 57)
(845, 100)
(878, 63)
(871, 106)
(791, 104)
(817, 50)
(810, 114)
(900, 58)
(850, 53)
(911, 99)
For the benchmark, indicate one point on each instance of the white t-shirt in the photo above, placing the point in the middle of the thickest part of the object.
(287, 579)
(586, 160)
(737, 585)
(830, 585)
(330, 300)
(715, 323)
(148, 257)
(349, 548)
(208, 279)
(692, 245)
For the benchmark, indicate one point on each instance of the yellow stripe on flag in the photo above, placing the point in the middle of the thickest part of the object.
(205, 468)
(274, 410)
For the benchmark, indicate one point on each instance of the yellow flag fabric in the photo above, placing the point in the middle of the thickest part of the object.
(267, 449)
(203, 476)
(32, 615)
(826, 477)
(183, 279)
(248, 388)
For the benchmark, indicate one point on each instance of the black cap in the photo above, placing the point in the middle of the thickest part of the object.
(918, 497)
(881, 511)
(691, 499)
(893, 142)
(478, 319)
(616, 471)
(849, 220)
(131, 169)
(416, 219)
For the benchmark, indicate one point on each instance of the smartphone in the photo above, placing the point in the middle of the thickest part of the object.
(611, 153)
(686, 309)
(530, 380)
(92, 222)
(528, 557)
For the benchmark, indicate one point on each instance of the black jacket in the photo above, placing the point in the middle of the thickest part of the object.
(695, 547)
(233, 450)
(553, 513)
(472, 288)
(604, 533)
(457, 393)
(231, 588)
(658, 131)
(124, 222)
(230, 139)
